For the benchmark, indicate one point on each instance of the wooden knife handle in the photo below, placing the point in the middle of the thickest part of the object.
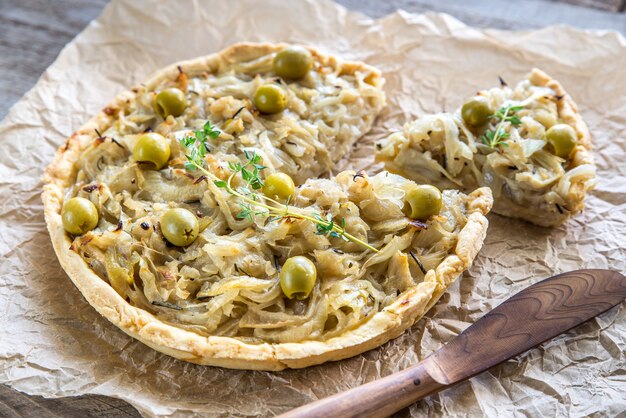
(380, 398)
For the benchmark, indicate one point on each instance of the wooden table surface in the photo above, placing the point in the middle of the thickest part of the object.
(33, 32)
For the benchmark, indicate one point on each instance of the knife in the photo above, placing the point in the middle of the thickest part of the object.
(534, 315)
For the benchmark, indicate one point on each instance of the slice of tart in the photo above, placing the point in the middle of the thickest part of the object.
(529, 144)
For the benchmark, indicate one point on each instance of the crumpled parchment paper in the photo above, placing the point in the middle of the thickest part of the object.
(53, 343)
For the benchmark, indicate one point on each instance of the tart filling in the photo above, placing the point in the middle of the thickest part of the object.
(227, 281)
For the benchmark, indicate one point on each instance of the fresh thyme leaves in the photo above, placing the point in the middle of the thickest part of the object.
(253, 178)
(508, 114)
(327, 227)
(496, 137)
(253, 203)
(250, 173)
(196, 145)
(248, 213)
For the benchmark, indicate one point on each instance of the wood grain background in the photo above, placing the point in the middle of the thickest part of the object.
(33, 32)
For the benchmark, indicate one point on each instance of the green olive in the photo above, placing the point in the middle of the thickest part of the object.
(152, 148)
(297, 277)
(563, 138)
(545, 117)
(171, 101)
(270, 98)
(293, 62)
(79, 215)
(422, 202)
(476, 112)
(179, 226)
(278, 186)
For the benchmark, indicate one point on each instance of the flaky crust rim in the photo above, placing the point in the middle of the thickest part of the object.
(226, 351)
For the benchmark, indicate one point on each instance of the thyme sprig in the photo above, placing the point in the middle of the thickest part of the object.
(252, 203)
(498, 136)
(196, 146)
(327, 227)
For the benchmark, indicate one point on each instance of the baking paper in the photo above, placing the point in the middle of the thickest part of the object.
(53, 343)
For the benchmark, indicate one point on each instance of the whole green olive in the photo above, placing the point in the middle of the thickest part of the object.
(563, 138)
(476, 112)
(422, 201)
(152, 148)
(293, 62)
(278, 186)
(179, 226)
(297, 277)
(270, 98)
(545, 117)
(171, 101)
(79, 215)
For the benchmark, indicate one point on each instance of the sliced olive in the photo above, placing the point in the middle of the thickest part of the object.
(171, 101)
(278, 186)
(270, 98)
(152, 148)
(476, 112)
(179, 226)
(293, 62)
(563, 138)
(79, 215)
(422, 201)
(297, 277)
